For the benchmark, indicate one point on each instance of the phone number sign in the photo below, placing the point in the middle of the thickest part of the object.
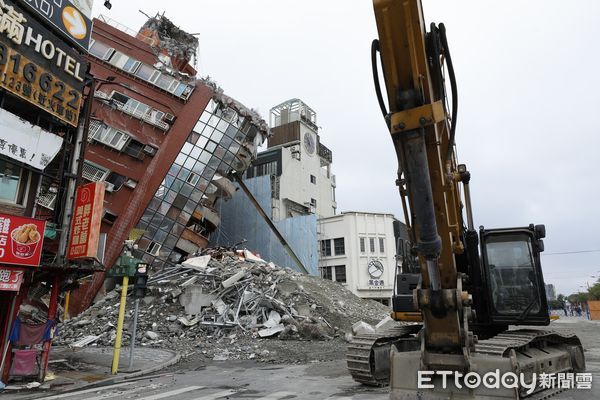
(34, 84)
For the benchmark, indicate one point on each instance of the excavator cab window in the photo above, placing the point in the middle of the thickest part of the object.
(512, 274)
(511, 262)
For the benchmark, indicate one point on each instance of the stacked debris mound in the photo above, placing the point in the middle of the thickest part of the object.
(222, 303)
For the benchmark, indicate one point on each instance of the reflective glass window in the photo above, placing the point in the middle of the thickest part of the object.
(187, 148)
(196, 152)
(180, 159)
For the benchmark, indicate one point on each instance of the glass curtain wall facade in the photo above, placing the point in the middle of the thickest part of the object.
(181, 216)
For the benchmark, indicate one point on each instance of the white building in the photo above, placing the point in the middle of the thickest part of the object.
(358, 249)
(299, 164)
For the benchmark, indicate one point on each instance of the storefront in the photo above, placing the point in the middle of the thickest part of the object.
(43, 114)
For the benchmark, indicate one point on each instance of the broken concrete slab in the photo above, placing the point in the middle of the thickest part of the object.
(362, 327)
(271, 331)
(385, 324)
(197, 263)
(274, 319)
(249, 256)
(194, 299)
(233, 279)
(85, 341)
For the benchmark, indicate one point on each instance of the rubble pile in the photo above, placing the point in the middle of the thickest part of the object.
(222, 304)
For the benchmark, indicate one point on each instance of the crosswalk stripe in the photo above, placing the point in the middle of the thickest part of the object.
(97, 389)
(215, 395)
(119, 394)
(171, 393)
(277, 396)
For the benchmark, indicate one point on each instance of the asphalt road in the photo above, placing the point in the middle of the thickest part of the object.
(320, 380)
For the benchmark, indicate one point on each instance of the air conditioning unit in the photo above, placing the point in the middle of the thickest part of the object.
(130, 183)
(150, 150)
(109, 187)
(169, 118)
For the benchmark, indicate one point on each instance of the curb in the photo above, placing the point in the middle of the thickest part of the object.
(121, 378)
(113, 379)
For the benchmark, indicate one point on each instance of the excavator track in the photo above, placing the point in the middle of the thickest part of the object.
(524, 343)
(519, 339)
(367, 357)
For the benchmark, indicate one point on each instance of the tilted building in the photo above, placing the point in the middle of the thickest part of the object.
(163, 141)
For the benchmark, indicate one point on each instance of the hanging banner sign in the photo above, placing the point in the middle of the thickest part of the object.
(39, 67)
(72, 18)
(21, 240)
(27, 143)
(87, 218)
(11, 279)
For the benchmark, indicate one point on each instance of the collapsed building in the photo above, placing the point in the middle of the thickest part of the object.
(163, 141)
(226, 305)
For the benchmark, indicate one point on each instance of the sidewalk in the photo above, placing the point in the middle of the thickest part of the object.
(87, 367)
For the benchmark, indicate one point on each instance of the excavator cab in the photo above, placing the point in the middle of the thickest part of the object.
(513, 285)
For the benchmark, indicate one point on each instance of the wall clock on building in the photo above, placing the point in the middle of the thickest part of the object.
(309, 143)
(375, 269)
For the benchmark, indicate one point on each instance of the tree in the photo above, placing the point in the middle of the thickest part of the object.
(594, 292)
(578, 297)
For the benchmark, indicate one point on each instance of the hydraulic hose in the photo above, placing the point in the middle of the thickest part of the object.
(453, 88)
(374, 51)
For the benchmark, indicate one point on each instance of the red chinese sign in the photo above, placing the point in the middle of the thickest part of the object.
(21, 240)
(87, 216)
(11, 279)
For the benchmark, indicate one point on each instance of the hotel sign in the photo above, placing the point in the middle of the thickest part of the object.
(38, 67)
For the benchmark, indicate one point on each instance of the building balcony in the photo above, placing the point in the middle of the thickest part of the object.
(208, 214)
(225, 188)
(191, 241)
(146, 117)
(243, 159)
(325, 153)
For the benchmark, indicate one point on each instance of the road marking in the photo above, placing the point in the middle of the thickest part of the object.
(119, 394)
(214, 395)
(277, 396)
(97, 389)
(171, 393)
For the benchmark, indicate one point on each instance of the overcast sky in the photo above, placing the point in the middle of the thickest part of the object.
(528, 81)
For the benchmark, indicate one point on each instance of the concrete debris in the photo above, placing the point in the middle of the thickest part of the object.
(385, 324)
(85, 341)
(197, 263)
(222, 306)
(151, 335)
(194, 299)
(274, 319)
(271, 331)
(235, 278)
(249, 256)
(362, 327)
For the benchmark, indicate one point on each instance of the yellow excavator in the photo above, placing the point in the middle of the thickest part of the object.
(471, 285)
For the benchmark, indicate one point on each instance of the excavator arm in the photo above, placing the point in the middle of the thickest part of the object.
(495, 271)
(422, 131)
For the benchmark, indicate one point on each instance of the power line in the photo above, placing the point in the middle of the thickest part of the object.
(571, 252)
